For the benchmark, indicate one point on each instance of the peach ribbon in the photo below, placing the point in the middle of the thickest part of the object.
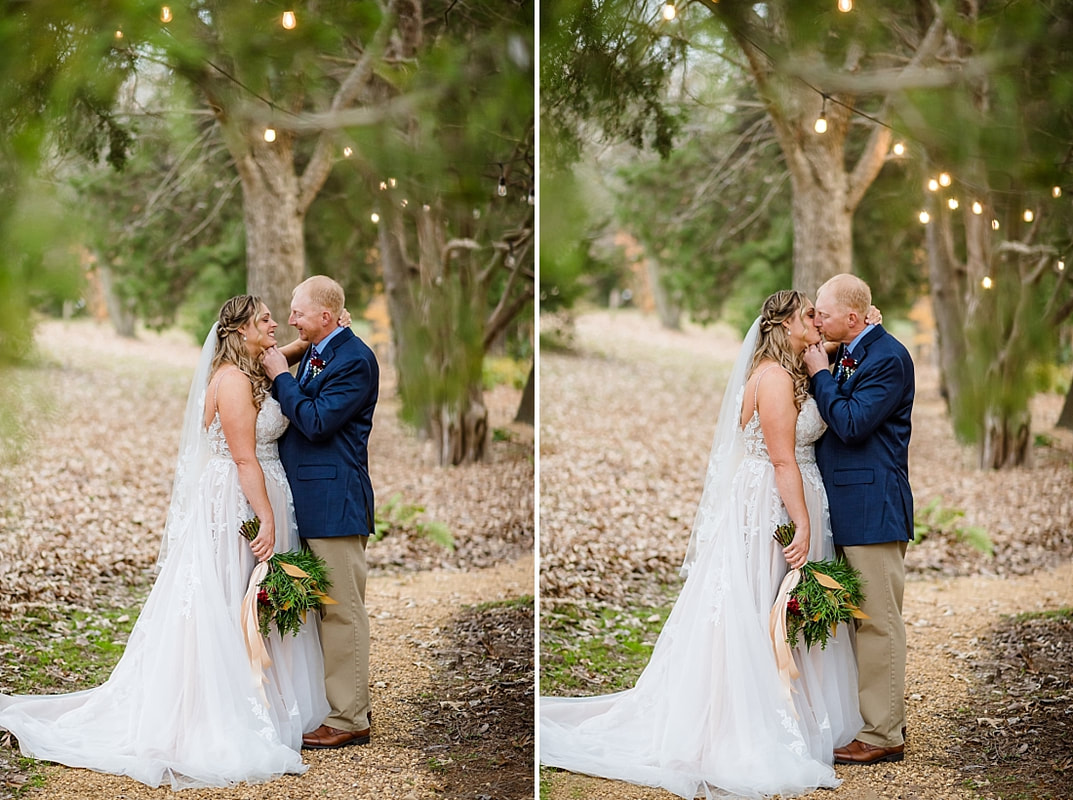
(784, 656)
(251, 633)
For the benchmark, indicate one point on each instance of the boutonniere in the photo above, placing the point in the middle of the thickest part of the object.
(849, 365)
(316, 366)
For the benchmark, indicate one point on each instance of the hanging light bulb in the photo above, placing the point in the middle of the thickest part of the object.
(1061, 265)
(532, 196)
(952, 203)
(289, 21)
(669, 11)
(1056, 191)
(165, 14)
(383, 186)
(426, 207)
(994, 224)
(348, 151)
(270, 134)
(924, 217)
(933, 185)
(501, 190)
(1028, 215)
(119, 33)
(898, 149)
(392, 182)
(374, 217)
(987, 283)
(821, 123)
(977, 208)
(944, 178)
(845, 5)
(404, 202)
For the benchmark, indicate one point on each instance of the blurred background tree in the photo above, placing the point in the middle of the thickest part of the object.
(209, 146)
(794, 120)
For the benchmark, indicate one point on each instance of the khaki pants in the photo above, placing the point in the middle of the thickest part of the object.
(881, 641)
(344, 632)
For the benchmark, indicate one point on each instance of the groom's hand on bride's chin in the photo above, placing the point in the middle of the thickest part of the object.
(275, 362)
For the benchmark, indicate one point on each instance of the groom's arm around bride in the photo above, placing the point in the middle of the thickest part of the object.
(330, 406)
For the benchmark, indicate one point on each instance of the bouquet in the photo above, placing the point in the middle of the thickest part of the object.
(293, 584)
(825, 594)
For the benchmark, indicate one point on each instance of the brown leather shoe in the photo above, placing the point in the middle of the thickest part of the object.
(328, 738)
(858, 752)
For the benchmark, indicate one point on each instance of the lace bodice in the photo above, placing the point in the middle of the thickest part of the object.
(270, 426)
(810, 427)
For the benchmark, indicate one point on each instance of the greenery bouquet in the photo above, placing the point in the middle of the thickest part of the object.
(296, 582)
(827, 593)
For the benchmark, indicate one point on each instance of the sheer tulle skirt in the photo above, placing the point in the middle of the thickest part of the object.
(709, 715)
(181, 706)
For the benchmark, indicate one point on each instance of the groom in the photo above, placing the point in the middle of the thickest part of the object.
(325, 452)
(864, 459)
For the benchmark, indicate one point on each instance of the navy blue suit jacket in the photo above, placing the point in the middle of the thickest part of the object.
(864, 454)
(325, 449)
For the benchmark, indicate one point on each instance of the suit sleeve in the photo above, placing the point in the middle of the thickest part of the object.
(876, 393)
(318, 418)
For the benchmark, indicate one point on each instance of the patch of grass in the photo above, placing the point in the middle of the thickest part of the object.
(1055, 615)
(397, 515)
(68, 651)
(522, 603)
(587, 651)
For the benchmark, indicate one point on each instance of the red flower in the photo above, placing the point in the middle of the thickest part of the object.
(849, 362)
(793, 607)
(262, 597)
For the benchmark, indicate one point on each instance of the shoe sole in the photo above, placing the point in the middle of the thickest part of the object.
(881, 760)
(360, 740)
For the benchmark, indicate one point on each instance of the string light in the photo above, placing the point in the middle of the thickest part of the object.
(1061, 265)
(994, 225)
(426, 207)
(669, 11)
(924, 217)
(289, 21)
(532, 196)
(952, 203)
(1056, 191)
(383, 186)
(270, 134)
(501, 190)
(944, 179)
(374, 217)
(404, 202)
(821, 122)
(977, 208)
(1028, 215)
(392, 182)
(348, 151)
(898, 149)
(987, 283)
(165, 14)
(933, 185)
(119, 33)
(845, 5)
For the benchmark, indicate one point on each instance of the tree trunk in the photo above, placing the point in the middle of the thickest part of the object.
(1005, 440)
(275, 237)
(823, 226)
(1065, 419)
(119, 311)
(670, 312)
(527, 407)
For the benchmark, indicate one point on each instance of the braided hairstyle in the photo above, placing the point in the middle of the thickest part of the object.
(231, 348)
(773, 343)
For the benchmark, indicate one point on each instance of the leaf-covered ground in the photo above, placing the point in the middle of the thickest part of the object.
(88, 440)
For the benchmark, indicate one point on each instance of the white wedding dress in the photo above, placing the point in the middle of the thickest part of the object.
(182, 706)
(709, 716)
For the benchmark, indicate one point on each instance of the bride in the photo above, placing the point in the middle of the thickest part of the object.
(710, 715)
(183, 704)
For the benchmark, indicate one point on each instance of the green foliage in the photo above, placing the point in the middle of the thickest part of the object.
(297, 582)
(397, 516)
(934, 519)
(500, 370)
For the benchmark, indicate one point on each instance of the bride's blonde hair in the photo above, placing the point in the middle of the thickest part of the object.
(773, 341)
(230, 346)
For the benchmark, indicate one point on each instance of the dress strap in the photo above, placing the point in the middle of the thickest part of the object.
(756, 388)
